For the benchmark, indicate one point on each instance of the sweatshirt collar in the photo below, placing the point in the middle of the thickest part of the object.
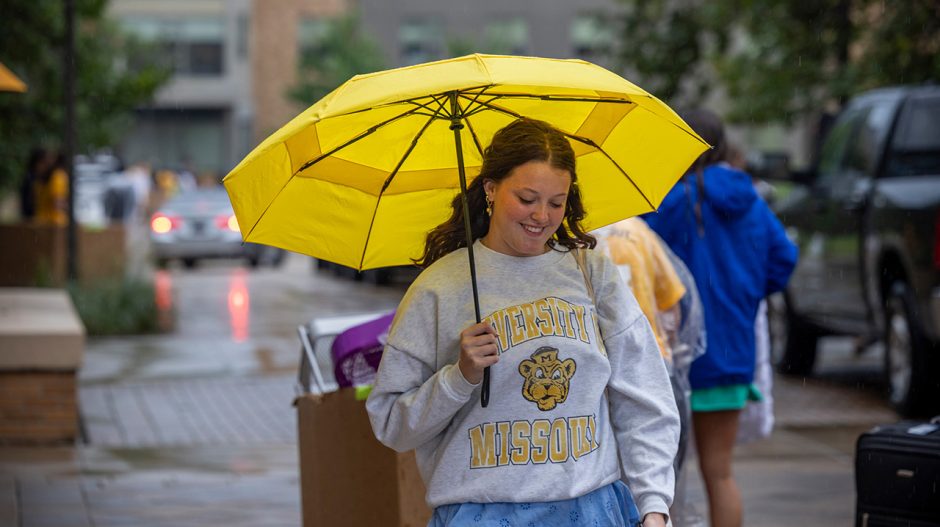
(504, 262)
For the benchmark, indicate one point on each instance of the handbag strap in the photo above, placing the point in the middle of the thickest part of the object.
(580, 256)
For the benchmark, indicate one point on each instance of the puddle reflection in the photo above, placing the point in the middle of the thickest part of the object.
(163, 298)
(238, 306)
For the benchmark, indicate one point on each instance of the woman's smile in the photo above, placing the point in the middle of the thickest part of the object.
(528, 207)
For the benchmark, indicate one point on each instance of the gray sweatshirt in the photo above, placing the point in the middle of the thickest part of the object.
(548, 433)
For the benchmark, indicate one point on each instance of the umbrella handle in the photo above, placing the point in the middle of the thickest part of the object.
(456, 126)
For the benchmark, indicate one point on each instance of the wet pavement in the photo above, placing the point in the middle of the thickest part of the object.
(197, 428)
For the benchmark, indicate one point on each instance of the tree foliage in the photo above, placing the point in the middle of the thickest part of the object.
(107, 88)
(666, 42)
(778, 60)
(340, 52)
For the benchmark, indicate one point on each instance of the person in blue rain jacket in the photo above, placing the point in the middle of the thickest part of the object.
(738, 253)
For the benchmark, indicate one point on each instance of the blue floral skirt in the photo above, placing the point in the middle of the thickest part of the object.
(609, 506)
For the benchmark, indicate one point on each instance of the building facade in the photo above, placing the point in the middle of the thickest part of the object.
(234, 61)
(414, 31)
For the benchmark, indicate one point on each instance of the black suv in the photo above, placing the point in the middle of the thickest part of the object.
(867, 220)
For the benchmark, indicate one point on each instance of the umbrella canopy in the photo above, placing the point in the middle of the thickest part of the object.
(9, 81)
(360, 177)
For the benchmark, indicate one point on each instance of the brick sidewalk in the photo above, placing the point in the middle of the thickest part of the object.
(814, 402)
(258, 410)
(190, 412)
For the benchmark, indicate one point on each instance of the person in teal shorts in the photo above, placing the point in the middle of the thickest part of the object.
(738, 253)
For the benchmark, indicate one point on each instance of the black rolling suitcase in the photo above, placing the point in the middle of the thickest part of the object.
(897, 476)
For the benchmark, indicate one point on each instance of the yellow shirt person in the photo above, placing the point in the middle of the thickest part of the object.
(52, 198)
(646, 268)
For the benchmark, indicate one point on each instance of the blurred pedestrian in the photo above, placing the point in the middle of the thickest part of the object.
(52, 194)
(572, 416)
(40, 161)
(141, 182)
(646, 266)
(757, 417)
(166, 185)
(738, 253)
(185, 175)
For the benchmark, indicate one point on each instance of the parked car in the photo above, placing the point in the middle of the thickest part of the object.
(381, 276)
(201, 224)
(867, 220)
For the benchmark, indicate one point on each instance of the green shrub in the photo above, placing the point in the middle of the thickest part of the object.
(118, 307)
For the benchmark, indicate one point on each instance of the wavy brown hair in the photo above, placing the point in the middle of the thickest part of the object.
(516, 144)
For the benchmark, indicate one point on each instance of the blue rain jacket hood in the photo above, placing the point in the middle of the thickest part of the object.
(738, 253)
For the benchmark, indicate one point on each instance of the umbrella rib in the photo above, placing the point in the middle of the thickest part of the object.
(442, 107)
(388, 181)
(500, 109)
(467, 112)
(586, 141)
(465, 116)
(371, 130)
(556, 98)
(434, 96)
(427, 106)
(591, 143)
(473, 134)
(310, 163)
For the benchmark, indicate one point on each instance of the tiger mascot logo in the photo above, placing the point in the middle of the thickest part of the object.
(546, 378)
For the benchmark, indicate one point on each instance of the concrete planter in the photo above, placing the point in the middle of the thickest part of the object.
(37, 254)
(42, 342)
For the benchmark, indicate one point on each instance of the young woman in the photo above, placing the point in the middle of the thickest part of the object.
(738, 253)
(569, 415)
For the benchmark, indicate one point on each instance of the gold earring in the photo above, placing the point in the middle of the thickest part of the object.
(489, 205)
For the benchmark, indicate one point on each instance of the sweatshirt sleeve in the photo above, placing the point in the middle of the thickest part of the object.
(412, 400)
(644, 416)
(782, 254)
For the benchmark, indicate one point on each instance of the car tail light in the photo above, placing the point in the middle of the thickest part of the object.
(162, 224)
(227, 222)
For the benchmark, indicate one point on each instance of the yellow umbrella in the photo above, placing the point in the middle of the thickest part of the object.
(9, 81)
(360, 177)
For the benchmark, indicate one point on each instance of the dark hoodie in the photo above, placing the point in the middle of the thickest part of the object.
(738, 253)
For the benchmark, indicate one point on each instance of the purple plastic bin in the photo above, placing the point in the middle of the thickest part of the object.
(357, 351)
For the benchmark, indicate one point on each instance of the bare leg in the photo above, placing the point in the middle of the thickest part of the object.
(715, 433)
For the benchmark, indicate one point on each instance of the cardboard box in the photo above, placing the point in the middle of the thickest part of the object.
(348, 478)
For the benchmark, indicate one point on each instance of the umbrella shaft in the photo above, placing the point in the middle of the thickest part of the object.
(456, 126)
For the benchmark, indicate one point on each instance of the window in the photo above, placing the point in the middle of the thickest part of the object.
(915, 148)
(311, 34)
(506, 37)
(243, 31)
(194, 46)
(837, 143)
(592, 36)
(862, 154)
(420, 40)
(919, 125)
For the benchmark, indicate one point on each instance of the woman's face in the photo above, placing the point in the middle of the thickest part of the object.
(528, 207)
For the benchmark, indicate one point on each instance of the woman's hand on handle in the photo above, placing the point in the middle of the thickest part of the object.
(477, 351)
